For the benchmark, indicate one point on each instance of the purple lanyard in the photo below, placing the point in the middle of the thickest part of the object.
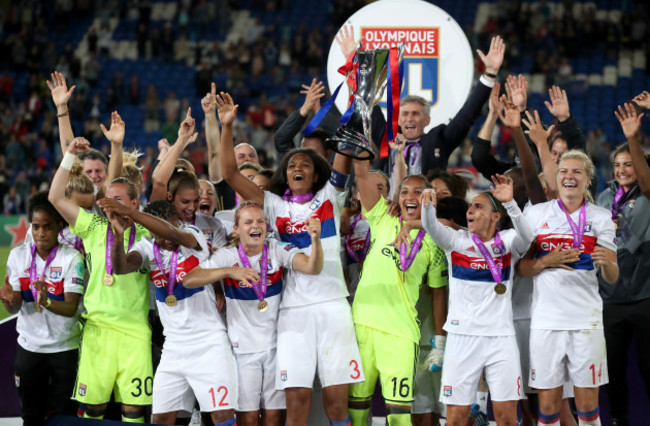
(406, 261)
(33, 274)
(78, 243)
(578, 230)
(301, 198)
(617, 199)
(260, 289)
(496, 269)
(109, 246)
(366, 244)
(173, 267)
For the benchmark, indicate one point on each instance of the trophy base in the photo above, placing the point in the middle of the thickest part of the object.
(350, 144)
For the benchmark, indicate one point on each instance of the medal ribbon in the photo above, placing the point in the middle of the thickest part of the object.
(77, 245)
(578, 230)
(366, 244)
(301, 198)
(109, 246)
(406, 261)
(173, 267)
(393, 88)
(617, 199)
(259, 289)
(33, 273)
(496, 268)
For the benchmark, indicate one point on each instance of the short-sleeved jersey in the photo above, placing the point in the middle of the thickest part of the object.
(212, 229)
(47, 332)
(356, 242)
(227, 218)
(568, 300)
(474, 306)
(250, 330)
(289, 222)
(124, 305)
(195, 316)
(386, 297)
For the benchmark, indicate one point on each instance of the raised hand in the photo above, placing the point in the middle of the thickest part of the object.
(517, 88)
(643, 99)
(312, 93)
(186, 128)
(116, 132)
(78, 146)
(226, 109)
(502, 189)
(509, 114)
(494, 57)
(559, 105)
(7, 292)
(244, 276)
(345, 39)
(536, 129)
(398, 144)
(163, 148)
(494, 104)
(429, 196)
(629, 120)
(114, 206)
(60, 93)
(558, 258)
(208, 103)
(314, 228)
(117, 222)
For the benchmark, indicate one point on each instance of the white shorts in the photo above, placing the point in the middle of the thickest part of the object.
(465, 358)
(522, 333)
(206, 371)
(557, 356)
(319, 336)
(256, 374)
(426, 398)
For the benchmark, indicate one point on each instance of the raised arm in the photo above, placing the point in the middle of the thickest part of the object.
(540, 137)
(116, 137)
(443, 236)
(68, 208)
(61, 95)
(631, 125)
(559, 108)
(313, 264)
(212, 134)
(241, 184)
(123, 263)
(154, 224)
(503, 191)
(400, 169)
(165, 168)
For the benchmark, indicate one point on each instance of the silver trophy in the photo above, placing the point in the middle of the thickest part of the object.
(371, 83)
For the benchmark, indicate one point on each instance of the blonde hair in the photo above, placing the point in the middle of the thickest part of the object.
(130, 168)
(233, 239)
(587, 164)
(184, 165)
(78, 181)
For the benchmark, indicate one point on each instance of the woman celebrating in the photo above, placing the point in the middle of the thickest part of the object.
(44, 286)
(305, 187)
(253, 303)
(626, 309)
(479, 325)
(566, 337)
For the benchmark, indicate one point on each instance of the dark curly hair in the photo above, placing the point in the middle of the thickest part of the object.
(162, 209)
(457, 185)
(39, 202)
(322, 170)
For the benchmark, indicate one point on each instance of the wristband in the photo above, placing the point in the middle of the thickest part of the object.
(489, 74)
(63, 114)
(338, 180)
(48, 303)
(67, 161)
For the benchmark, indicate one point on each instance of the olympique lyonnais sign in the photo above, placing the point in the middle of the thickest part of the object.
(419, 42)
(438, 62)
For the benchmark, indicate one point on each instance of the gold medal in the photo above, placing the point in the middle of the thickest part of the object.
(37, 303)
(108, 280)
(171, 300)
(500, 288)
(262, 305)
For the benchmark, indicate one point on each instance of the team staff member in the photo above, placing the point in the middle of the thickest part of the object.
(44, 286)
(116, 347)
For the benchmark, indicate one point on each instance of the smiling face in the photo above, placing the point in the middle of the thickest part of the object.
(624, 172)
(245, 153)
(559, 147)
(45, 230)
(207, 198)
(481, 215)
(409, 198)
(412, 120)
(572, 181)
(186, 201)
(300, 174)
(251, 227)
(95, 170)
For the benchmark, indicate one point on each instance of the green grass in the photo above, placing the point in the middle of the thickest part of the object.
(4, 255)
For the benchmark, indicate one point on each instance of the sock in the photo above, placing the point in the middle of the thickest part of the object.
(231, 422)
(345, 422)
(133, 417)
(403, 419)
(359, 416)
(89, 413)
(481, 400)
(592, 418)
(551, 419)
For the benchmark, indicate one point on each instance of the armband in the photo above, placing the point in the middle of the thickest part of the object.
(338, 180)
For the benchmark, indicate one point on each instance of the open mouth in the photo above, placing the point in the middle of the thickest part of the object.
(256, 234)
(204, 207)
(570, 185)
(298, 177)
(411, 208)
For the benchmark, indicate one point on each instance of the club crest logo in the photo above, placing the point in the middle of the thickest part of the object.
(448, 391)
(283, 375)
(82, 389)
(56, 272)
(588, 226)
(532, 374)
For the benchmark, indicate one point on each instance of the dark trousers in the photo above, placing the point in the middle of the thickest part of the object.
(624, 323)
(45, 383)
